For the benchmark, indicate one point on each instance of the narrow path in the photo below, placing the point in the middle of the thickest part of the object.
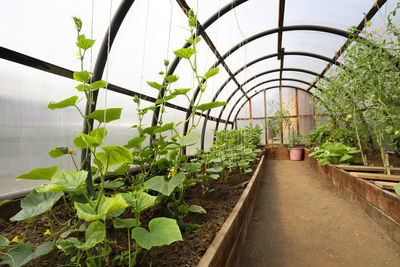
(299, 222)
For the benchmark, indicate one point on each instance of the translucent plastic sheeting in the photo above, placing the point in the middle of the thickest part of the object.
(340, 14)
(144, 41)
(45, 29)
(289, 100)
(209, 138)
(260, 47)
(306, 125)
(293, 126)
(299, 76)
(29, 130)
(314, 42)
(253, 17)
(308, 63)
(257, 105)
(272, 102)
(260, 82)
(305, 107)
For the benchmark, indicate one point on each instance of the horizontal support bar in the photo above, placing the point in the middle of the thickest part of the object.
(35, 63)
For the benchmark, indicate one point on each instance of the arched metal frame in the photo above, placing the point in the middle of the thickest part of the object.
(273, 87)
(172, 67)
(260, 75)
(204, 128)
(257, 36)
(269, 88)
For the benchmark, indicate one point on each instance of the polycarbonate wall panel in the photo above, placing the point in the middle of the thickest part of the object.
(306, 126)
(45, 29)
(209, 138)
(29, 130)
(305, 107)
(257, 105)
(144, 40)
(272, 102)
(339, 14)
(308, 63)
(289, 100)
(253, 17)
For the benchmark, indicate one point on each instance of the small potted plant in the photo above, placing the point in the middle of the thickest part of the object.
(296, 153)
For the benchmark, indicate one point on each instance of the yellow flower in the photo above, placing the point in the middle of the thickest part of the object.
(180, 135)
(15, 239)
(171, 172)
(138, 156)
(203, 85)
(368, 23)
(47, 232)
(154, 149)
(78, 54)
(158, 146)
(378, 30)
(71, 151)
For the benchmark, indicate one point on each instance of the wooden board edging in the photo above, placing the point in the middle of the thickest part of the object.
(381, 205)
(225, 248)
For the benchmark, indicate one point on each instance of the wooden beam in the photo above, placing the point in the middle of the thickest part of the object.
(385, 185)
(375, 176)
(291, 116)
(314, 117)
(365, 168)
(266, 117)
(297, 112)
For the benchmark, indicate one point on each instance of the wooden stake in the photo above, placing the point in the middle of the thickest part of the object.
(297, 111)
(266, 117)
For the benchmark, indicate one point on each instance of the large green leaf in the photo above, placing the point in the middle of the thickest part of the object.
(22, 254)
(99, 133)
(113, 155)
(155, 85)
(185, 52)
(101, 115)
(171, 78)
(159, 184)
(84, 43)
(98, 84)
(165, 127)
(39, 174)
(95, 233)
(182, 91)
(82, 88)
(139, 201)
(64, 103)
(211, 72)
(163, 231)
(3, 241)
(35, 204)
(64, 181)
(58, 152)
(82, 76)
(190, 139)
(135, 142)
(68, 245)
(87, 211)
(211, 105)
(84, 140)
(124, 223)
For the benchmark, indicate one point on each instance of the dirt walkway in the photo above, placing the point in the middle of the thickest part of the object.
(299, 222)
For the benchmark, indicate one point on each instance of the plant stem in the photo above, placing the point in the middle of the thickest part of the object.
(26, 230)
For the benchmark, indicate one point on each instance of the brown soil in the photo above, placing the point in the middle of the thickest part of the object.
(297, 221)
(188, 252)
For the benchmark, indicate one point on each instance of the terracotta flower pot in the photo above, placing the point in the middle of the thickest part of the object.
(296, 153)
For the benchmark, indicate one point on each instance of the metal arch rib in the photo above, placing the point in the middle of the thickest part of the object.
(219, 119)
(172, 67)
(263, 34)
(284, 86)
(261, 74)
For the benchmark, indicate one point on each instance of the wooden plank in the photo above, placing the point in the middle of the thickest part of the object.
(375, 176)
(385, 185)
(365, 168)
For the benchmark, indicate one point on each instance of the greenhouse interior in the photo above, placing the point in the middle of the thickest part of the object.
(200, 133)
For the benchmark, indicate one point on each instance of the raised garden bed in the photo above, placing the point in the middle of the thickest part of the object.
(381, 205)
(224, 229)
